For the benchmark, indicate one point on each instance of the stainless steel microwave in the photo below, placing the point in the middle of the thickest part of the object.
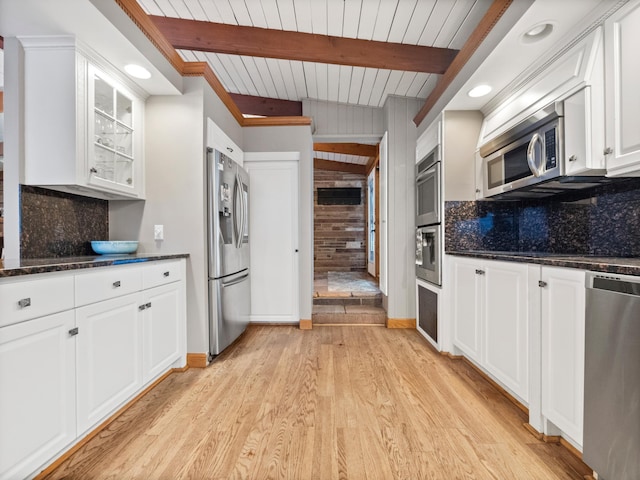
(529, 154)
(428, 189)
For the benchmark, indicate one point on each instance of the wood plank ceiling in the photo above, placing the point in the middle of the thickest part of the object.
(344, 51)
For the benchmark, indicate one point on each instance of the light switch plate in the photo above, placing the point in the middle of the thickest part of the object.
(158, 232)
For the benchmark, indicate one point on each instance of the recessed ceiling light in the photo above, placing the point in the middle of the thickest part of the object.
(537, 32)
(137, 71)
(479, 91)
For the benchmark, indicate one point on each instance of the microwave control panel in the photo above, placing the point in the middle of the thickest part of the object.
(550, 148)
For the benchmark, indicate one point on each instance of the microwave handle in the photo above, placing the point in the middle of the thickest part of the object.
(537, 168)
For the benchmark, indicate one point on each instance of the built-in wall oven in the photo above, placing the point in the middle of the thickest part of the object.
(428, 190)
(428, 217)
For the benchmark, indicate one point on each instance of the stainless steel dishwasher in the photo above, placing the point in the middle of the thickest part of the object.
(612, 376)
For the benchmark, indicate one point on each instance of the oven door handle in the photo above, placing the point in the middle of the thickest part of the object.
(537, 168)
(425, 174)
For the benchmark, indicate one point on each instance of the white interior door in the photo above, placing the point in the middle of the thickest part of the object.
(273, 223)
(383, 213)
(371, 223)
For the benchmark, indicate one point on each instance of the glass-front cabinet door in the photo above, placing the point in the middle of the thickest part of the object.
(112, 153)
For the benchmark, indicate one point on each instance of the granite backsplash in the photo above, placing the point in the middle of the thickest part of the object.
(604, 221)
(57, 224)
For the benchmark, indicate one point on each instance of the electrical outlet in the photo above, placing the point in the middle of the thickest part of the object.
(158, 232)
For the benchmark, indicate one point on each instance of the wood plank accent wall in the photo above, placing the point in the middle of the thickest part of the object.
(335, 225)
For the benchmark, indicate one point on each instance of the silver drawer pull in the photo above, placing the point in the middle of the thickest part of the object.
(116, 284)
(147, 305)
(25, 302)
(166, 274)
(542, 284)
(479, 272)
(142, 307)
(73, 332)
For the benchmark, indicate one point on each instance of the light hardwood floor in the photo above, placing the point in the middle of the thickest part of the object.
(328, 403)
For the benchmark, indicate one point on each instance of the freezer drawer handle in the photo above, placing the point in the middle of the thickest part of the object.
(236, 281)
(25, 302)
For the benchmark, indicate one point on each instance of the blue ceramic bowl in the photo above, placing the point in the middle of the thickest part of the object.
(114, 247)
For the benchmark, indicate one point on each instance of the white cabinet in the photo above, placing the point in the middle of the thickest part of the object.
(562, 324)
(63, 373)
(622, 74)
(38, 397)
(109, 357)
(161, 329)
(467, 294)
(82, 127)
(217, 139)
(490, 317)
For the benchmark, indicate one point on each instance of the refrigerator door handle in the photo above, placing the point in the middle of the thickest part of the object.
(242, 216)
(235, 281)
(237, 226)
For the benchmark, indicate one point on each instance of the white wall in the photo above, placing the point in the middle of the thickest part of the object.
(399, 113)
(293, 139)
(175, 189)
(335, 120)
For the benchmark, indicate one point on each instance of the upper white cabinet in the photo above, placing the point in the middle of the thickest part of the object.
(622, 74)
(452, 139)
(83, 127)
(217, 139)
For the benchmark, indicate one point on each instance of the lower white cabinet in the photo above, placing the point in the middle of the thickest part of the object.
(562, 323)
(64, 373)
(490, 319)
(37, 392)
(161, 324)
(109, 358)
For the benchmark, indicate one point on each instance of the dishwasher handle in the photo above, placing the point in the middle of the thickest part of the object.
(622, 284)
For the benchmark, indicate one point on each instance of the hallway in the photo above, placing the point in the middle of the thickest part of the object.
(347, 298)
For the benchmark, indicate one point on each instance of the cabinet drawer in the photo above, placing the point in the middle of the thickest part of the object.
(161, 273)
(34, 296)
(106, 283)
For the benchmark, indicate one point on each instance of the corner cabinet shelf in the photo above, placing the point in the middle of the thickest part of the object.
(83, 126)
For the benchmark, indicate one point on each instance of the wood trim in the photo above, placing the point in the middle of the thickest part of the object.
(268, 107)
(401, 323)
(288, 45)
(1, 101)
(133, 9)
(197, 360)
(495, 12)
(306, 324)
(532, 431)
(339, 166)
(509, 397)
(573, 450)
(276, 121)
(450, 355)
(359, 149)
(2, 43)
(350, 325)
(551, 438)
(62, 458)
(1, 150)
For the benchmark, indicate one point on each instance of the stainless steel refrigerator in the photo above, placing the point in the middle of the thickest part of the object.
(228, 250)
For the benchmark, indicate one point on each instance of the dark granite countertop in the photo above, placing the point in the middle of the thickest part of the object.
(616, 265)
(17, 267)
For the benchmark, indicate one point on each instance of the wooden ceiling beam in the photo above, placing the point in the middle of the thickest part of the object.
(1, 43)
(495, 12)
(267, 107)
(339, 166)
(261, 42)
(360, 149)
